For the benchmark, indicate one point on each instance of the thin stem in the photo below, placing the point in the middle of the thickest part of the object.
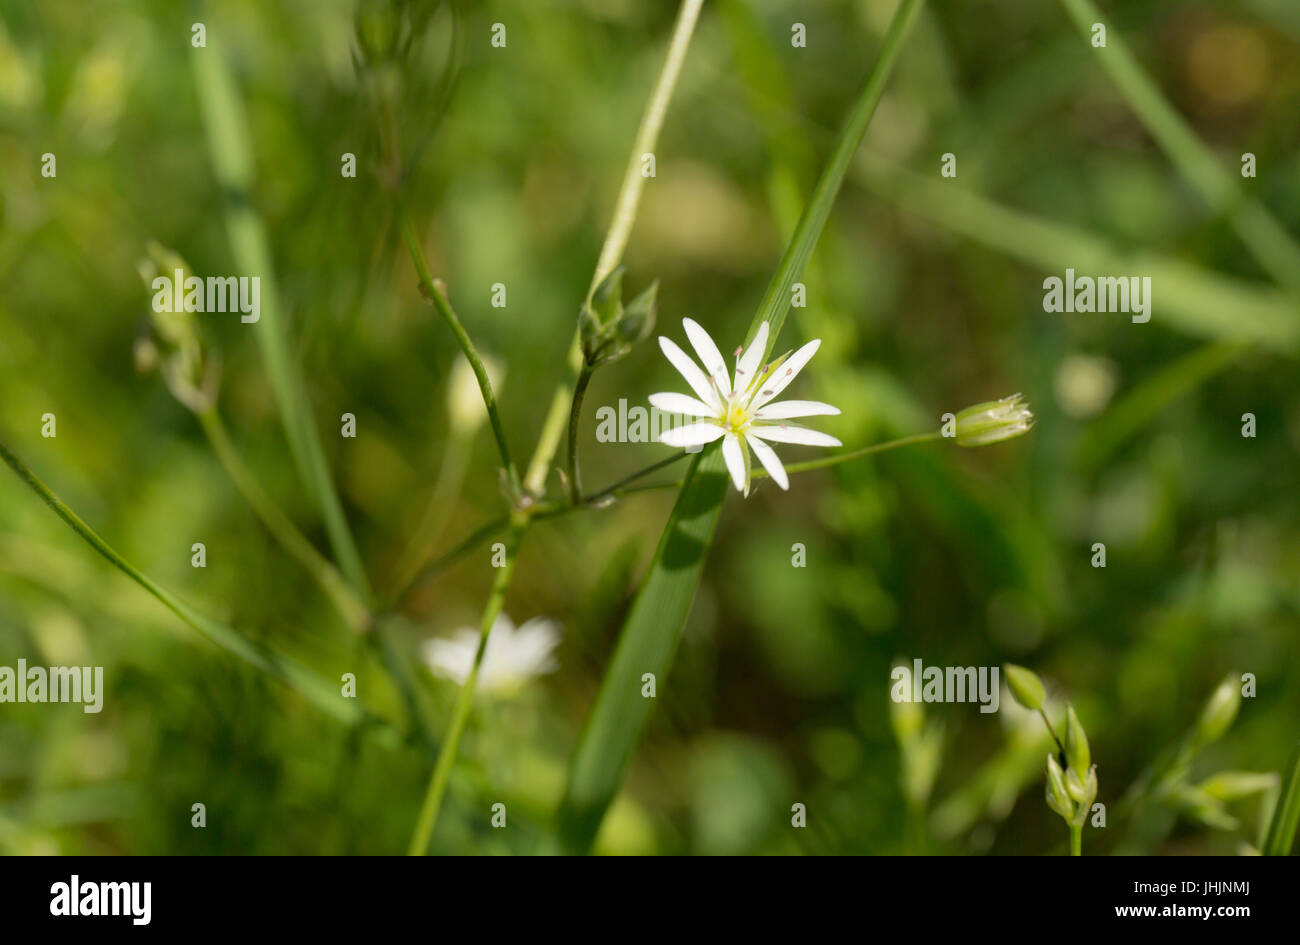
(1048, 722)
(428, 818)
(575, 415)
(440, 564)
(346, 601)
(629, 197)
(615, 487)
(1076, 840)
(436, 291)
(838, 458)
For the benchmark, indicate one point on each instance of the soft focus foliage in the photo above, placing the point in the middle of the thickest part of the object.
(780, 691)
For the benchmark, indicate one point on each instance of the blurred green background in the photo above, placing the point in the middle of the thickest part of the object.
(926, 291)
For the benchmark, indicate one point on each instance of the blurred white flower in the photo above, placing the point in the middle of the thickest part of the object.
(739, 412)
(513, 656)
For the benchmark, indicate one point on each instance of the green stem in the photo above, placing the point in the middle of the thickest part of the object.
(838, 458)
(436, 292)
(1076, 840)
(629, 197)
(575, 415)
(1060, 747)
(428, 818)
(346, 601)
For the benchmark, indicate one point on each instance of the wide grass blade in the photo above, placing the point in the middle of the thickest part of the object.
(654, 626)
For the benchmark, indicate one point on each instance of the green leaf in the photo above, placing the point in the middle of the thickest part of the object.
(1286, 816)
(654, 626)
(646, 645)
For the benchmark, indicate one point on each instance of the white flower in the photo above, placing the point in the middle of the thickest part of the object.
(739, 410)
(511, 659)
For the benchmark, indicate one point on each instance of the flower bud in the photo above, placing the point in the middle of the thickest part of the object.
(1058, 799)
(1218, 715)
(1077, 752)
(993, 421)
(1025, 686)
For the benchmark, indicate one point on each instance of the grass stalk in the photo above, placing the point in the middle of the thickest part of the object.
(428, 817)
(611, 253)
(437, 293)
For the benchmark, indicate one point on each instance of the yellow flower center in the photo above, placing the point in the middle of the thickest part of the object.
(736, 418)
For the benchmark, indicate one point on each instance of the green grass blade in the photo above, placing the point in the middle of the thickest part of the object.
(1271, 245)
(322, 693)
(232, 161)
(658, 615)
(776, 300)
(1191, 299)
(1286, 816)
(647, 644)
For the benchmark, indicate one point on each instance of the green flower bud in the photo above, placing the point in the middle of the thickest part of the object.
(1058, 799)
(1076, 742)
(993, 421)
(639, 318)
(1218, 715)
(1025, 686)
(607, 300)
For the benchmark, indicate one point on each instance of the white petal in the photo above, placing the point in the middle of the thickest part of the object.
(531, 649)
(689, 370)
(709, 354)
(782, 433)
(790, 409)
(771, 462)
(680, 403)
(752, 359)
(786, 373)
(733, 453)
(693, 434)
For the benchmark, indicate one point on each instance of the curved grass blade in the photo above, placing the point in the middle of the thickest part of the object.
(324, 694)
